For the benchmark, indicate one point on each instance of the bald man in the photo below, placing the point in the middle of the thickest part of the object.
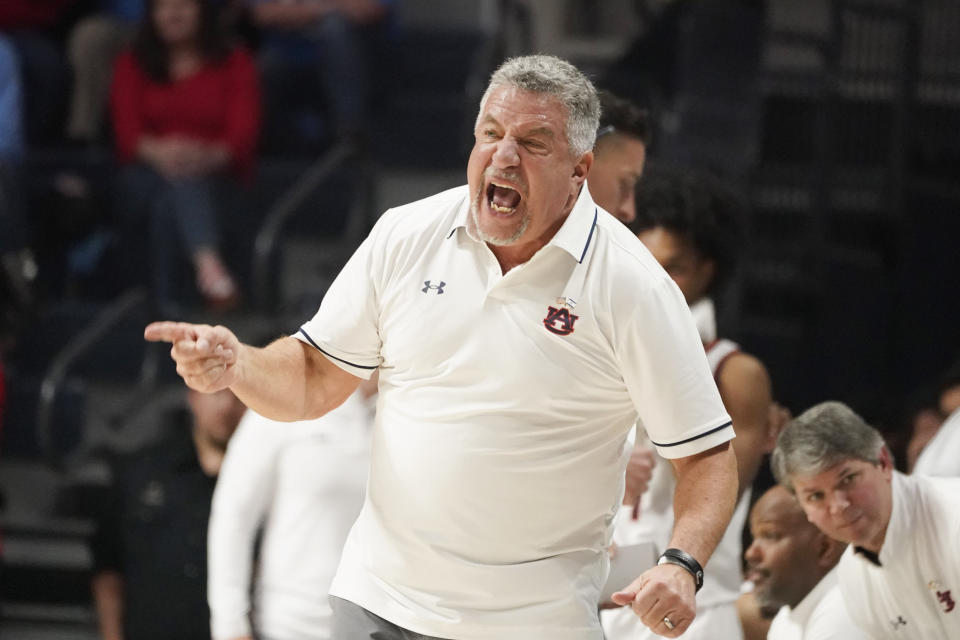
(792, 566)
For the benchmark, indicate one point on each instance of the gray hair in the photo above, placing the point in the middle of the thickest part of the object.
(552, 76)
(821, 438)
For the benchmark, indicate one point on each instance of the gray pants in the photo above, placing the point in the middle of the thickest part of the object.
(353, 622)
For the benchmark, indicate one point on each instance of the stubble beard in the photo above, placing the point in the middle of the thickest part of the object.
(496, 241)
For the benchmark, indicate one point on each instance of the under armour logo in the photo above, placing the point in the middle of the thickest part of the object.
(899, 622)
(563, 316)
(946, 601)
(433, 287)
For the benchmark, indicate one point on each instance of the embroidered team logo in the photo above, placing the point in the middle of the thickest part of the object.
(429, 286)
(944, 598)
(559, 321)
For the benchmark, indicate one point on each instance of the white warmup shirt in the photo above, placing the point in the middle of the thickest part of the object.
(941, 456)
(716, 601)
(505, 400)
(304, 482)
(915, 593)
(821, 615)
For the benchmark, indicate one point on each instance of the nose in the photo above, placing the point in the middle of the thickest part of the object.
(753, 555)
(507, 153)
(839, 503)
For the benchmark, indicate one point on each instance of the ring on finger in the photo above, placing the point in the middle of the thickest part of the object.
(668, 623)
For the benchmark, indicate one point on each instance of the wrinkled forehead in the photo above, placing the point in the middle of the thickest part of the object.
(509, 104)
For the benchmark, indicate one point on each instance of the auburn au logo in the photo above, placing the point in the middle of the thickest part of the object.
(559, 321)
(946, 600)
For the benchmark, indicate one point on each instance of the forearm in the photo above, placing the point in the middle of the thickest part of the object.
(704, 500)
(149, 151)
(244, 492)
(212, 158)
(107, 589)
(283, 381)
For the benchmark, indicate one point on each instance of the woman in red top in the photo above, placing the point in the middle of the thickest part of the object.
(185, 106)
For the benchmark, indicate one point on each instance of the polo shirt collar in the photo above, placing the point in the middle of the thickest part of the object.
(460, 220)
(897, 528)
(575, 235)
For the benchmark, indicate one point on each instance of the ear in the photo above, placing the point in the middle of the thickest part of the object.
(582, 168)
(885, 460)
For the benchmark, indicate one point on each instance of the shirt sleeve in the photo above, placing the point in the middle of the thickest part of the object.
(245, 487)
(666, 372)
(126, 113)
(346, 327)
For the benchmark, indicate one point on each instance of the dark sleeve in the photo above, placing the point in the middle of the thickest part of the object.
(106, 545)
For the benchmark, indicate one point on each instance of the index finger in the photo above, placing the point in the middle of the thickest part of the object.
(170, 332)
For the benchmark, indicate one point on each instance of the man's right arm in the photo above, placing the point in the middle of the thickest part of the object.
(286, 380)
(241, 500)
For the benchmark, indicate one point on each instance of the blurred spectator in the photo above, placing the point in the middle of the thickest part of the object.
(12, 229)
(922, 419)
(688, 222)
(185, 109)
(619, 156)
(150, 545)
(315, 58)
(92, 47)
(17, 265)
(32, 27)
(949, 389)
(304, 484)
(706, 106)
(938, 447)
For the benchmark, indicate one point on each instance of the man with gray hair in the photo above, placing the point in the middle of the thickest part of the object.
(519, 331)
(900, 576)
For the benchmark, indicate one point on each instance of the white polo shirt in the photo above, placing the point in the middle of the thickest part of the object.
(498, 459)
(915, 592)
(821, 615)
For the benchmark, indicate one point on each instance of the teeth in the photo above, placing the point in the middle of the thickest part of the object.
(500, 209)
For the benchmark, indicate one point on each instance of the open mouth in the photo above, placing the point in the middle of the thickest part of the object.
(502, 199)
(756, 576)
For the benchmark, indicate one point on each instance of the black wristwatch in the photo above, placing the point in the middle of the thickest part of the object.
(685, 560)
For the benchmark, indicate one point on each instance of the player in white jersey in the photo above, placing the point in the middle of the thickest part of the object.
(688, 221)
(300, 487)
